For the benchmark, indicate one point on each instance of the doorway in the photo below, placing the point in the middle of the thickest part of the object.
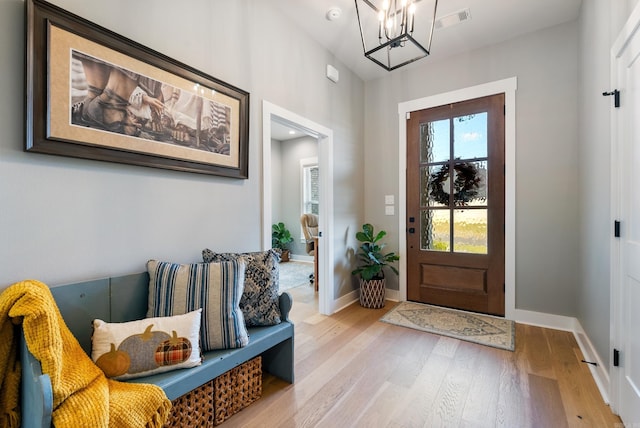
(508, 88)
(324, 136)
(455, 205)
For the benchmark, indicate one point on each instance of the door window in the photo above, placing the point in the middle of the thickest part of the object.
(453, 184)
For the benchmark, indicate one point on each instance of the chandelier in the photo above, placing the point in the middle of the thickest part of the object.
(387, 30)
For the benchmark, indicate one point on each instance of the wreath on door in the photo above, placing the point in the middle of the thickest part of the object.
(465, 186)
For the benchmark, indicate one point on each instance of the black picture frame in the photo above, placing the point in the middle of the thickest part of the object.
(203, 127)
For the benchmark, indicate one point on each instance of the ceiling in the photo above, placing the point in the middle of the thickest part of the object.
(492, 21)
(283, 132)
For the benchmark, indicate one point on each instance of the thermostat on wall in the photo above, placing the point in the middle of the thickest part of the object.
(332, 73)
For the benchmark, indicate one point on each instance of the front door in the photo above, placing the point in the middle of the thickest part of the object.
(626, 249)
(455, 205)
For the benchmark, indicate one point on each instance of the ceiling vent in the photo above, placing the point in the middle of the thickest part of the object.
(453, 19)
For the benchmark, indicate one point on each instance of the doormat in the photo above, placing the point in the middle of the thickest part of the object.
(477, 328)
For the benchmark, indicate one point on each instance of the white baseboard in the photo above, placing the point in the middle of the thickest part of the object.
(346, 300)
(558, 322)
(540, 319)
(393, 295)
(600, 372)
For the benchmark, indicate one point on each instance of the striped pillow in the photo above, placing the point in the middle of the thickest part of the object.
(175, 289)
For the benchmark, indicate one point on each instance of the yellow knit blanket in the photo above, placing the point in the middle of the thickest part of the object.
(82, 395)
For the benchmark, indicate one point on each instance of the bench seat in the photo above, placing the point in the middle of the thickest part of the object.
(122, 299)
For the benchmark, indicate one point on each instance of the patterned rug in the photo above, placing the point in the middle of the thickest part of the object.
(477, 328)
(294, 274)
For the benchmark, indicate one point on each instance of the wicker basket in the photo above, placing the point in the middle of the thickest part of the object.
(236, 389)
(193, 409)
(216, 401)
(372, 293)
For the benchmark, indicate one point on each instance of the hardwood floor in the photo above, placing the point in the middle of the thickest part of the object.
(354, 371)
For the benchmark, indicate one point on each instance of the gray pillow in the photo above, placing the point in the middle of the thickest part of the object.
(259, 302)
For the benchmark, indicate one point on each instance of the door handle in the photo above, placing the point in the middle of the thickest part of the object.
(412, 230)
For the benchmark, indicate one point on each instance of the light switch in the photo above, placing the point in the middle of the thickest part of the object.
(389, 210)
(389, 200)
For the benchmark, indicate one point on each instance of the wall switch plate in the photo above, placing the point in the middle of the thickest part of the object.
(389, 210)
(389, 199)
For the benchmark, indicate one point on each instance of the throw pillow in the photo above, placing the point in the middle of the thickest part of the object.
(215, 287)
(152, 345)
(259, 302)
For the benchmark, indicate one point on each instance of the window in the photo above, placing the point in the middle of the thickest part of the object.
(310, 186)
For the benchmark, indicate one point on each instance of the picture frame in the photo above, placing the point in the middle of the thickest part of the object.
(94, 94)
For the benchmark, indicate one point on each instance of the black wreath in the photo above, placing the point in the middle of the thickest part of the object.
(465, 186)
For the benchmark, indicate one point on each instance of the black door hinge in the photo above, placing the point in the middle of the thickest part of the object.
(616, 97)
(616, 228)
(616, 358)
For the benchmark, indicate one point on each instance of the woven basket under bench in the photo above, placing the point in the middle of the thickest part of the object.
(217, 400)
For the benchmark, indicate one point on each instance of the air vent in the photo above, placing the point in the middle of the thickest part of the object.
(453, 19)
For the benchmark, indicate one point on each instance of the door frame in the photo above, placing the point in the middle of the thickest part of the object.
(508, 87)
(324, 135)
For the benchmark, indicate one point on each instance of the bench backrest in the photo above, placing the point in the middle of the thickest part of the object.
(117, 299)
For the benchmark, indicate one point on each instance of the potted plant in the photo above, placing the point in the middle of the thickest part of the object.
(372, 266)
(280, 239)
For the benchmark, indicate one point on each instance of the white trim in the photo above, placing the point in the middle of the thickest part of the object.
(559, 322)
(326, 302)
(541, 319)
(600, 373)
(508, 87)
(347, 300)
(393, 295)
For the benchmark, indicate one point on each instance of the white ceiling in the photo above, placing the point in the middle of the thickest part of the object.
(492, 21)
(282, 132)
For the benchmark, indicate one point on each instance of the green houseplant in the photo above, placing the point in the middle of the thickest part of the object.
(372, 263)
(280, 239)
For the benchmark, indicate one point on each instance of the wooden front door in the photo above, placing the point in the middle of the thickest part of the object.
(455, 205)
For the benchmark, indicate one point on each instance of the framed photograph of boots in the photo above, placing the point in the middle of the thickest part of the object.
(94, 94)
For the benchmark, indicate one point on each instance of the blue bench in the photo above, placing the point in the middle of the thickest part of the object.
(125, 298)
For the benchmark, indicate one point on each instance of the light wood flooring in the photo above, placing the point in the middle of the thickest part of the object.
(354, 371)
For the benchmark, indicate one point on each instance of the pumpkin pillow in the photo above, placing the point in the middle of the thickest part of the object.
(152, 345)
(215, 287)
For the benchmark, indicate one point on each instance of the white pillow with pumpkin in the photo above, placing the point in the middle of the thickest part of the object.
(152, 345)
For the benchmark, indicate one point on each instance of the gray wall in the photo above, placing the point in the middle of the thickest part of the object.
(286, 207)
(65, 220)
(545, 64)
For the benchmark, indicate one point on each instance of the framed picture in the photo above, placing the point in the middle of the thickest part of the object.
(94, 94)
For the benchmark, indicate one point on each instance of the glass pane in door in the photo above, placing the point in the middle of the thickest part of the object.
(470, 231)
(470, 183)
(435, 141)
(434, 185)
(435, 229)
(470, 136)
